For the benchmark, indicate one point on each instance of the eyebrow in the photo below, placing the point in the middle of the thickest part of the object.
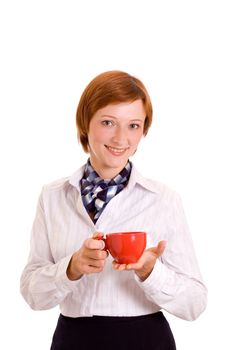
(111, 116)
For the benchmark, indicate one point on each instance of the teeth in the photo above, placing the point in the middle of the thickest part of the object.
(116, 150)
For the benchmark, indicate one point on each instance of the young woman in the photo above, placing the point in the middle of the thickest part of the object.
(105, 305)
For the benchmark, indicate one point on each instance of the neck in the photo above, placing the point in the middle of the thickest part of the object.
(107, 173)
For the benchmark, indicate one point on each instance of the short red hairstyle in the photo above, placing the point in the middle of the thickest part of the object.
(109, 88)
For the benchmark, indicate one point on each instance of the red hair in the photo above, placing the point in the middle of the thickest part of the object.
(109, 88)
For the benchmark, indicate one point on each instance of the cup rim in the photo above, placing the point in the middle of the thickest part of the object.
(126, 233)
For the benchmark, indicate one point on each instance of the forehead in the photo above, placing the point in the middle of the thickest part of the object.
(131, 110)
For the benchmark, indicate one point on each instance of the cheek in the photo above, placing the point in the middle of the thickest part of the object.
(135, 139)
(98, 135)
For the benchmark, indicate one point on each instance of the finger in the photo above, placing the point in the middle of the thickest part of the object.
(92, 269)
(159, 249)
(96, 263)
(115, 265)
(138, 265)
(133, 266)
(97, 254)
(119, 267)
(87, 261)
(91, 243)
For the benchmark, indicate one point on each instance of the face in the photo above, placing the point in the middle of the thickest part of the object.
(114, 134)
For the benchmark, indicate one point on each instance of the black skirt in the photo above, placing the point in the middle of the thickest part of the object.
(147, 332)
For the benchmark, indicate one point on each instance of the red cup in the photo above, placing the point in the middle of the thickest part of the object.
(126, 247)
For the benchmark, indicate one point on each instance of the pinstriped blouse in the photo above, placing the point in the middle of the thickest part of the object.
(62, 224)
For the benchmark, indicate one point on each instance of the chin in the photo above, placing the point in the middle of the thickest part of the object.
(116, 165)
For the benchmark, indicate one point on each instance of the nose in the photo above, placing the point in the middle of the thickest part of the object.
(119, 136)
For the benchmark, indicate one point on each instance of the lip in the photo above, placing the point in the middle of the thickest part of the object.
(117, 151)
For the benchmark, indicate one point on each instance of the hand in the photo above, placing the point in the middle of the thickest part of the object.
(90, 258)
(144, 266)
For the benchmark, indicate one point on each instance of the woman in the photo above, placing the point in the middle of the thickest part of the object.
(105, 305)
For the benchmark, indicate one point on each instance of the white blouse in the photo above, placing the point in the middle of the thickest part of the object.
(62, 224)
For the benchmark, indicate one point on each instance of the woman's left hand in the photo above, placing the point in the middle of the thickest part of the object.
(145, 264)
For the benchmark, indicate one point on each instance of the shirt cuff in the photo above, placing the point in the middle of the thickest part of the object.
(62, 280)
(156, 281)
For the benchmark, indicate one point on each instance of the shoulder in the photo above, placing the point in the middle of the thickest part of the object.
(158, 188)
(56, 185)
(64, 183)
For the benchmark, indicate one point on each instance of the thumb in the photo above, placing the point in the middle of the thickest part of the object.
(159, 249)
(98, 235)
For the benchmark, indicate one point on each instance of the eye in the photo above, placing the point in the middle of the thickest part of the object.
(134, 126)
(107, 122)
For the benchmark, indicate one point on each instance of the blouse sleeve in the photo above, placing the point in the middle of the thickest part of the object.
(44, 283)
(175, 283)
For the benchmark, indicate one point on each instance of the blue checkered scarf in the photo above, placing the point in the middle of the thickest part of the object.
(96, 192)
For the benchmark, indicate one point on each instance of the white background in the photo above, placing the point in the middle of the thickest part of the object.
(183, 52)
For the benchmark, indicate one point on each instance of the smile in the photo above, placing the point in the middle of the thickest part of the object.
(116, 151)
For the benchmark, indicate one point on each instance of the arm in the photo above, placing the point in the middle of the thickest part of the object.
(44, 282)
(170, 276)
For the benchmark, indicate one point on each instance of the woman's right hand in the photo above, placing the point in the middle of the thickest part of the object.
(90, 258)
